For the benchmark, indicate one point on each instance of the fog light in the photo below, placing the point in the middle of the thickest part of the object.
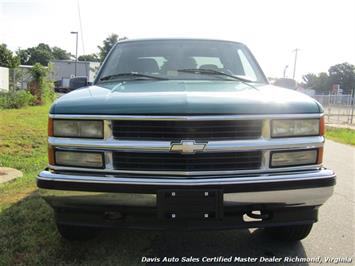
(79, 159)
(294, 158)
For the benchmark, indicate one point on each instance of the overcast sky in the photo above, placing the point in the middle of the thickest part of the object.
(324, 31)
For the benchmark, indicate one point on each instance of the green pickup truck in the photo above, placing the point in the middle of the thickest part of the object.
(185, 134)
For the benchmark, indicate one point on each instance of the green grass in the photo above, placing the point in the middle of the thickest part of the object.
(28, 234)
(343, 135)
(23, 137)
(22, 146)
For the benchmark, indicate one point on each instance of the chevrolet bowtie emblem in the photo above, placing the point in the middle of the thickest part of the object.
(187, 146)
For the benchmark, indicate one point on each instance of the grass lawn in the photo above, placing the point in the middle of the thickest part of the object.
(28, 233)
(22, 146)
(343, 135)
(23, 137)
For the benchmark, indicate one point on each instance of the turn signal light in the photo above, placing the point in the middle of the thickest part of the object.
(50, 155)
(320, 156)
(321, 126)
(50, 127)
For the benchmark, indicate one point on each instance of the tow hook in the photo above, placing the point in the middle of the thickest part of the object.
(257, 214)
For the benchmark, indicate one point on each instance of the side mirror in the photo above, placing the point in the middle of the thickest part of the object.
(78, 82)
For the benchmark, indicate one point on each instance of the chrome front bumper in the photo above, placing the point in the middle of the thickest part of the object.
(307, 188)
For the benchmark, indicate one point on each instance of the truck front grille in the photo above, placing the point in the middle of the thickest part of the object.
(178, 130)
(187, 162)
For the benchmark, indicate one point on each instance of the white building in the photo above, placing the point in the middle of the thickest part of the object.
(4, 79)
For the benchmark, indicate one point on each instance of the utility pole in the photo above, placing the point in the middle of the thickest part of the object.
(285, 68)
(295, 63)
(76, 50)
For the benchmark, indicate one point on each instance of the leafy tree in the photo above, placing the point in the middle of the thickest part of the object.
(42, 54)
(108, 43)
(320, 83)
(310, 80)
(323, 82)
(89, 58)
(7, 59)
(23, 55)
(344, 75)
(61, 54)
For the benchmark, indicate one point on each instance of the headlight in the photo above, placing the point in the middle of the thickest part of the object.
(295, 128)
(78, 128)
(293, 158)
(79, 159)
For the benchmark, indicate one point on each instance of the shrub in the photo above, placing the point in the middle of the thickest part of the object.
(41, 87)
(16, 99)
(48, 91)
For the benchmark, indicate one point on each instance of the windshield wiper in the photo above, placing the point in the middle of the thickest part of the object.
(131, 74)
(211, 72)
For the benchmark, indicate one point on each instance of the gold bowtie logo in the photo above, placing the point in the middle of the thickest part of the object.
(187, 146)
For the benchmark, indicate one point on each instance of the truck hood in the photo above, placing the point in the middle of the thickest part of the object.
(173, 97)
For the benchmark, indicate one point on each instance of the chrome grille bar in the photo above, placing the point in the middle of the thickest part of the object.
(164, 146)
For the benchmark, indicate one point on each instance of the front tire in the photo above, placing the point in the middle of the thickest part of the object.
(290, 233)
(76, 233)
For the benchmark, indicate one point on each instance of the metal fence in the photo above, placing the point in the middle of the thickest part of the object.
(339, 109)
(20, 77)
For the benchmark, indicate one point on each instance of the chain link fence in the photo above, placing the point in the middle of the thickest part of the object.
(339, 109)
(19, 77)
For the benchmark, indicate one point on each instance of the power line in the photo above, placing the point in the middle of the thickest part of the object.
(81, 28)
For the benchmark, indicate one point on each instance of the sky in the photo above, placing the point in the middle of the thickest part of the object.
(323, 30)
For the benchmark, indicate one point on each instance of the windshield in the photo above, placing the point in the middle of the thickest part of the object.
(166, 59)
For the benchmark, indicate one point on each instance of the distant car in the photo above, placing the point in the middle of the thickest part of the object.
(78, 82)
(188, 134)
(67, 85)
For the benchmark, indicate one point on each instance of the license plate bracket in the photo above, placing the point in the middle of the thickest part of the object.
(190, 204)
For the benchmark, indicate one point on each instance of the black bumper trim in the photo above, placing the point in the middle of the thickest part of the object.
(150, 221)
(152, 189)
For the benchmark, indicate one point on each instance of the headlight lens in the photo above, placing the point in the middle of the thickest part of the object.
(295, 128)
(293, 158)
(79, 159)
(78, 128)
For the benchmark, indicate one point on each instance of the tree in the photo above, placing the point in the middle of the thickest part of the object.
(61, 54)
(310, 80)
(344, 75)
(108, 43)
(23, 55)
(7, 59)
(89, 58)
(323, 83)
(320, 83)
(42, 54)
